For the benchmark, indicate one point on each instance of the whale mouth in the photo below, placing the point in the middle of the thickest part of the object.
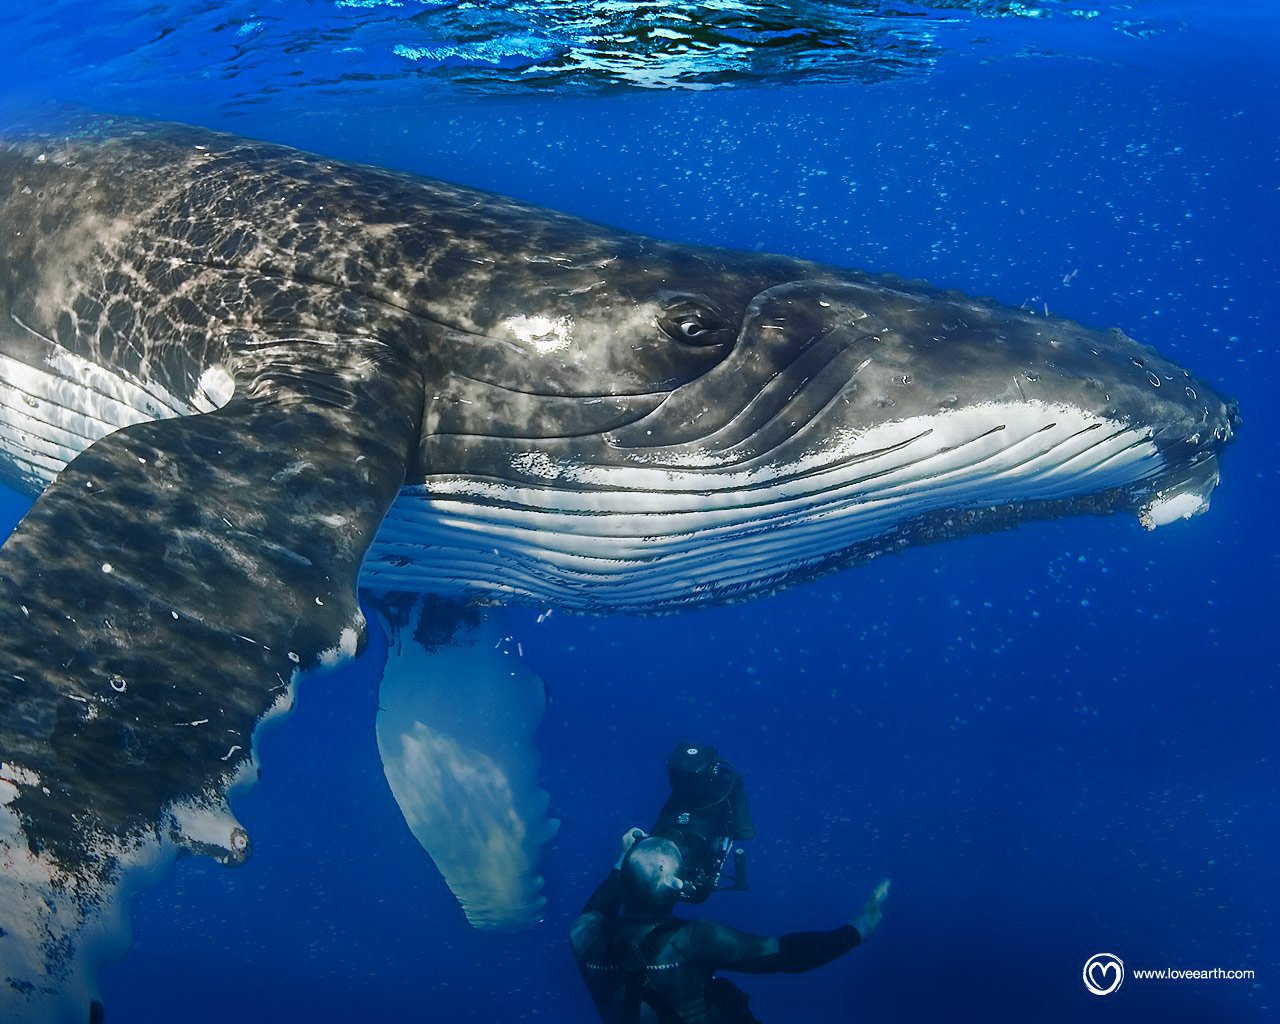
(1183, 498)
(1183, 492)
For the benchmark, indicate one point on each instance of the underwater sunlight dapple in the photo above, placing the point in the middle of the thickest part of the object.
(244, 384)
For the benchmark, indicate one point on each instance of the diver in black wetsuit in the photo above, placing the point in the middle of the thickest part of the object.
(646, 966)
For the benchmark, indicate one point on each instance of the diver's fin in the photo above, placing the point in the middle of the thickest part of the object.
(159, 599)
(458, 711)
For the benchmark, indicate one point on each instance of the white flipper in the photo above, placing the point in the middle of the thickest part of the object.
(458, 711)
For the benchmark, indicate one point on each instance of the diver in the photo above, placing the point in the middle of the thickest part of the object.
(644, 965)
(706, 815)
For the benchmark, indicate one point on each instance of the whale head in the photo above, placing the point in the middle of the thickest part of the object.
(633, 425)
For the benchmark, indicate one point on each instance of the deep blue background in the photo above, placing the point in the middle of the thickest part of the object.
(1056, 741)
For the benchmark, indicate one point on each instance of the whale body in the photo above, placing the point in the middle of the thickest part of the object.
(246, 385)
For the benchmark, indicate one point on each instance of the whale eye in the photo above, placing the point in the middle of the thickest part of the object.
(695, 325)
(692, 329)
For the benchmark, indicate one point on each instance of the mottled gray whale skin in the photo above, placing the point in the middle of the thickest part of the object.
(245, 381)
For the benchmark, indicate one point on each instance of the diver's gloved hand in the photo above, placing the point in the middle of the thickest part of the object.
(867, 921)
(629, 839)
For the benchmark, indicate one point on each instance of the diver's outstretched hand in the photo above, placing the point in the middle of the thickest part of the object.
(867, 921)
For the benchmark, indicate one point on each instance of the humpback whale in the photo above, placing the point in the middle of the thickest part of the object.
(246, 385)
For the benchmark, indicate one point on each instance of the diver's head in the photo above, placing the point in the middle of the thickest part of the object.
(651, 877)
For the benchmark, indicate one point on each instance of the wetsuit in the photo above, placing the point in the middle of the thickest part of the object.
(660, 971)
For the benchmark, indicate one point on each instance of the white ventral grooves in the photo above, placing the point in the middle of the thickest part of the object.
(584, 533)
(50, 413)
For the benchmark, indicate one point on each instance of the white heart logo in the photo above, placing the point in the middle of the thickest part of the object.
(1103, 969)
(1103, 973)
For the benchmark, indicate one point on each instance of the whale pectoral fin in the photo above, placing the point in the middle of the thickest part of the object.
(457, 714)
(157, 602)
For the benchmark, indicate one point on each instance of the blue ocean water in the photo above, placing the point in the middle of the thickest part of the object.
(1056, 741)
